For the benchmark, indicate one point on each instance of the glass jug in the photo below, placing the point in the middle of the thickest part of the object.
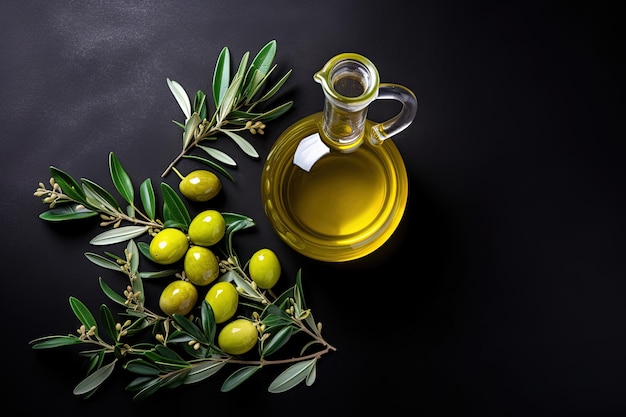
(333, 186)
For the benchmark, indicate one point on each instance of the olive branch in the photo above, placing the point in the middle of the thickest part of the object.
(235, 103)
(183, 349)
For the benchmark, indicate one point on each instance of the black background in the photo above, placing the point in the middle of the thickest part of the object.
(503, 293)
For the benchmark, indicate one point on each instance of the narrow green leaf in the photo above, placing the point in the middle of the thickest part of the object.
(188, 327)
(298, 291)
(175, 379)
(119, 234)
(263, 60)
(229, 99)
(292, 376)
(275, 112)
(247, 289)
(310, 378)
(257, 85)
(241, 224)
(204, 370)
(272, 91)
(219, 155)
(146, 193)
(181, 97)
(142, 367)
(82, 313)
(140, 383)
(108, 322)
(259, 68)
(221, 76)
(144, 248)
(66, 212)
(121, 179)
(103, 262)
(242, 143)
(68, 184)
(191, 125)
(238, 377)
(207, 320)
(133, 252)
(212, 164)
(240, 117)
(275, 342)
(254, 81)
(242, 69)
(159, 274)
(112, 294)
(174, 208)
(170, 363)
(199, 104)
(94, 380)
(50, 342)
(95, 361)
(98, 196)
(230, 218)
(168, 353)
(148, 389)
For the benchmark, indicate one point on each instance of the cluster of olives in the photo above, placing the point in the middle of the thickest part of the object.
(201, 268)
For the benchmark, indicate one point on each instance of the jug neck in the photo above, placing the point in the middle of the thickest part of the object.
(350, 83)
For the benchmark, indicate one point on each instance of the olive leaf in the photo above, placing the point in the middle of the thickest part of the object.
(67, 212)
(239, 377)
(175, 212)
(108, 322)
(219, 155)
(213, 165)
(121, 179)
(203, 370)
(294, 375)
(234, 100)
(102, 261)
(242, 143)
(120, 234)
(221, 76)
(190, 328)
(278, 340)
(207, 320)
(199, 104)
(98, 197)
(142, 367)
(51, 342)
(93, 381)
(181, 97)
(271, 92)
(82, 313)
(146, 194)
(68, 185)
(191, 125)
(112, 294)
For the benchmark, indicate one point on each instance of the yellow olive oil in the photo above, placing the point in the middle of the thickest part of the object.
(345, 207)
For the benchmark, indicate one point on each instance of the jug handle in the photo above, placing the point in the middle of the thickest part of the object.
(402, 120)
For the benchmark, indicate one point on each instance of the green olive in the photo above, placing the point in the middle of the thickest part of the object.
(200, 265)
(238, 337)
(199, 185)
(207, 228)
(264, 268)
(223, 299)
(179, 297)
(168, 246)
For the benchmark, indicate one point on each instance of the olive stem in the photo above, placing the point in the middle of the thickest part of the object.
(264, 362)
(181, 176)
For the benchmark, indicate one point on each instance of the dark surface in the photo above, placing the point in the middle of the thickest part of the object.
(502, 294)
